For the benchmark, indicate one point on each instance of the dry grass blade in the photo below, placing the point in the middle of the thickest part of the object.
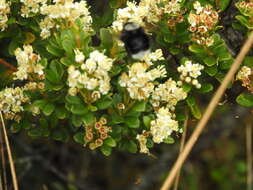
(249, 154)
(181, 147)
(13, 172)
(206, 116)
(3, 162)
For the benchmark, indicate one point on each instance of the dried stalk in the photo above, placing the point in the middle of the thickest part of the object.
(3, 162)
(181, 147)
(206, 116)
(249, 154)
(6, 64)
(13, 172)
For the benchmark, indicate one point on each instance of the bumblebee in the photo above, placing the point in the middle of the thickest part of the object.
(137, 42)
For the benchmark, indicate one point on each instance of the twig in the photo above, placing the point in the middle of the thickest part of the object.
(206, 116)
(182, 146)
(3, 161)
(249, 154)
(13, 172)
(6, 64)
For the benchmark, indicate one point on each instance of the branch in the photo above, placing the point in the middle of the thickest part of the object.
(249, 153)
(211, 107)
(13, 172)
(182, 146)
(6, 64)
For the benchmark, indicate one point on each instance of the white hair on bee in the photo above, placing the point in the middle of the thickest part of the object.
(131, 26)
(140, 54)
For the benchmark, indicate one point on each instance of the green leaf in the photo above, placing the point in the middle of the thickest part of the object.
(149, 143)
(116, 119)
(197, 49)
(248, 61)
(60, 135)
(244, 21)
(88, 118)
(106, 38)
(210, 61)
(69, 46)
(132, 122)
(40, 103)
(67, 61)
(76, 120)
(169, 140)
(132, 146)
(110, 142)
(147, 120)
(61, 112)
(73, 99)
(211, 71)
(245, 99)
(55, 51)
(139, 106)
(78, 109)
(205, 88)
(57, 68)
(15, 127)
(191, 102)
(187, 87)
(79, 137)
(196, 111)
(35, 132)
(106, 150)
(104, 103)
(51, 76)
(222, 4)
(48, 109)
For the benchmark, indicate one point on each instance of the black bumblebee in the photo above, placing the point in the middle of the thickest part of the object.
(136, 41)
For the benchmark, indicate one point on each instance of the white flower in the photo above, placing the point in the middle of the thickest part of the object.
(4, 12)
(190, 72)
(64, 11)
(244, 73)
(169, 93)
(94, 73)
(163, 126)
(79, 57)
(143, 141)
(11, 100)
(139, 81)
(27, 63)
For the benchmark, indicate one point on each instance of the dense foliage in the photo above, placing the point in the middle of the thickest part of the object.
(66, 75)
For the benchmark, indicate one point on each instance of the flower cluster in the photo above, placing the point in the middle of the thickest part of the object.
(168, 94)
(64, 12)
(148, 11)
(28, 66)
(149, 58)
(246, 76)
(131, 13)
(11, 100)
(190, 72)
(246, 6)
(203, 20)
(163, 125)
(94, 74)
(142, 138)
(4, 11)
(139, 80)
(31, 7)
(95, 135)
